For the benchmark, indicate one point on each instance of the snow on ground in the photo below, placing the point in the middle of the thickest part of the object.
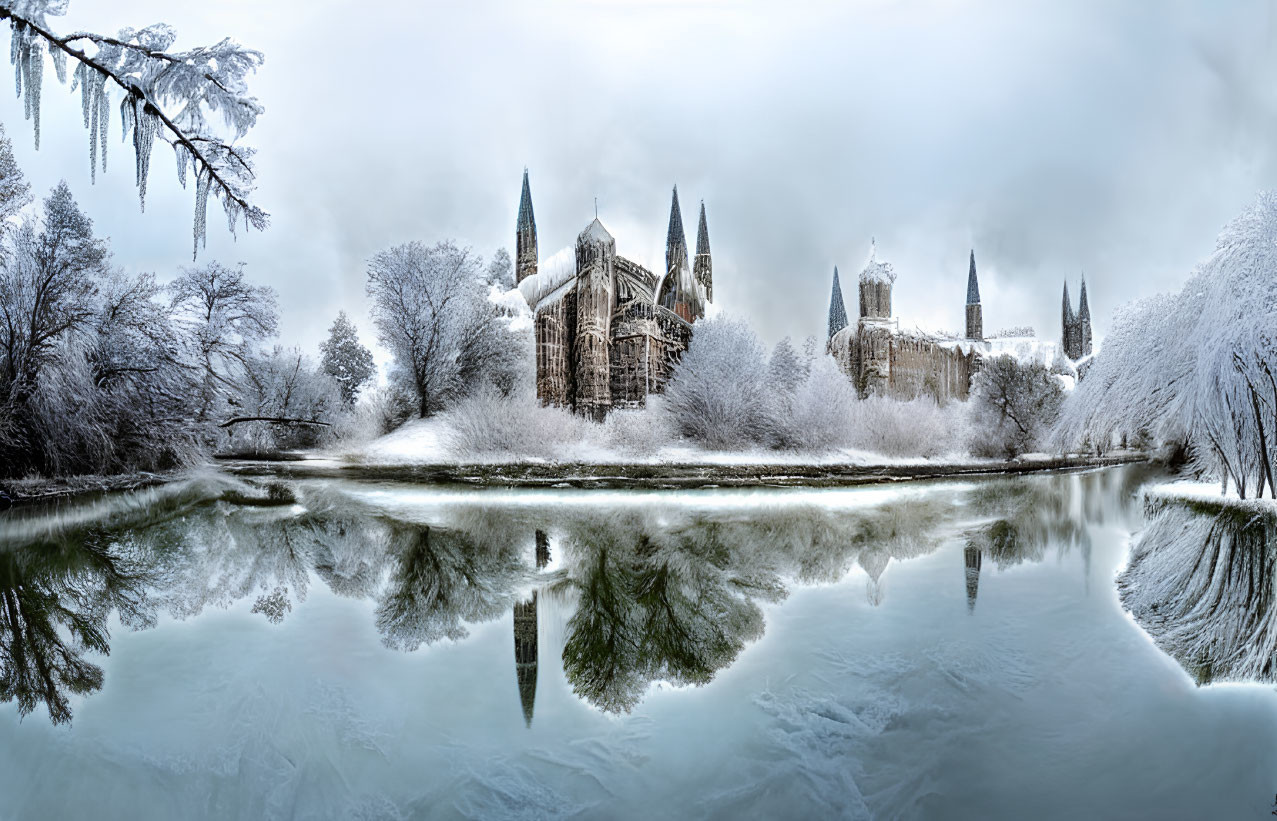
(1207, 492)
(425, 442)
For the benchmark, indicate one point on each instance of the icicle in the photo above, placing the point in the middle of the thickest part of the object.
(15, 56)
(180, 152)
(104, 113)
(59, 58)
(202, 179)
(232, 213)
(35, 72)
(145, 125)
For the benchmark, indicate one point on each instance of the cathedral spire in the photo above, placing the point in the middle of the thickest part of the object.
(1084, 322)
(975, 314)
(525, 236)
(973, 287)
(837, 308)
(703, 267)
(1068, 305)
(675, 241)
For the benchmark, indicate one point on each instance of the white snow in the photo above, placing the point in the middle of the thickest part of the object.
(875, 271)
(425, 442)
(552, 274)
(1208, 492)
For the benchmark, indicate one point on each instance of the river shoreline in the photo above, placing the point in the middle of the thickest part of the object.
(673, 476)
(576, 475)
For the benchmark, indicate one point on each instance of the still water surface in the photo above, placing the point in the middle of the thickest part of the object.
(365, 650)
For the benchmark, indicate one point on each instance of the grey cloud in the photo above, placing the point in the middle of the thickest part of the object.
(1053, 137)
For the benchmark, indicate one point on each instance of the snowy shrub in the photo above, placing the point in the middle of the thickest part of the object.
(820, 417)
(378, 412)
(919, 427)
(719, 395)
(1013, 407)
(487, 426)
(640, 432)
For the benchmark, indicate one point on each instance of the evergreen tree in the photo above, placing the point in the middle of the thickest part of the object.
(349, 363)
(501, 269)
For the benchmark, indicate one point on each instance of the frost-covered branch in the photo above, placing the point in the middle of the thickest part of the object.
(168, 96)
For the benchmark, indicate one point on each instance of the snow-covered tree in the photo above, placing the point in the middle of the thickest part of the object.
(820, 416)
(285, 401)
(786, 369)
(47, 287)
(343, 358)
(173, 96)
(1013, 405)
(432, 311)
(1197, 367)
(500, 270)
(719, 394)
(223, 319)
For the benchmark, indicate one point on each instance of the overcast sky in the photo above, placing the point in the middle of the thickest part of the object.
(1054, 138)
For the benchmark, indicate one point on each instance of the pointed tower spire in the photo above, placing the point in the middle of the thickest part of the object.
(675, 241)
(1084, 321)
(525, 236)
(973, 286)
(837, 308)
(703, 267)
(1069, 336)
(975, 314)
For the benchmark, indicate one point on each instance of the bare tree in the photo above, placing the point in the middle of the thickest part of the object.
(166, 95)
(223, 319)
(1014, 405)
(431, 307)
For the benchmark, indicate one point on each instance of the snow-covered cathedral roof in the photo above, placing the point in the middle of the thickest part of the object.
(595, 232)
(552, 274)
(876, 271)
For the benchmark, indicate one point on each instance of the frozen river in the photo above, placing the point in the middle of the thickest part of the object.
(360, 650)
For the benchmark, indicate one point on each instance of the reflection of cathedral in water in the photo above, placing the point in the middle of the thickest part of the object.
(971, 559)
(525, 637)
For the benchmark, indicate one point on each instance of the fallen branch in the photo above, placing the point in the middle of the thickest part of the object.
(274, 420)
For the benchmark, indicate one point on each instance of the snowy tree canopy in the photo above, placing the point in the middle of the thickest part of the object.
(167, 95)
(347, 361)
(432, 309)
(1198, 367)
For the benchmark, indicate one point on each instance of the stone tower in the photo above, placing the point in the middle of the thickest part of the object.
(875, 287)
(975, 317)
(873, 331)
(703, 267)
(1084, 322)
(525, 241)
(595, 291)
(837, 308)
(1069, 324)
(680, 291)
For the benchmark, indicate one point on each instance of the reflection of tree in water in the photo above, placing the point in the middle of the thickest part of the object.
(442, 578)
(660, 593)
(1200, 581)
(653, 604)
(1031, 513)
(55, 598)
